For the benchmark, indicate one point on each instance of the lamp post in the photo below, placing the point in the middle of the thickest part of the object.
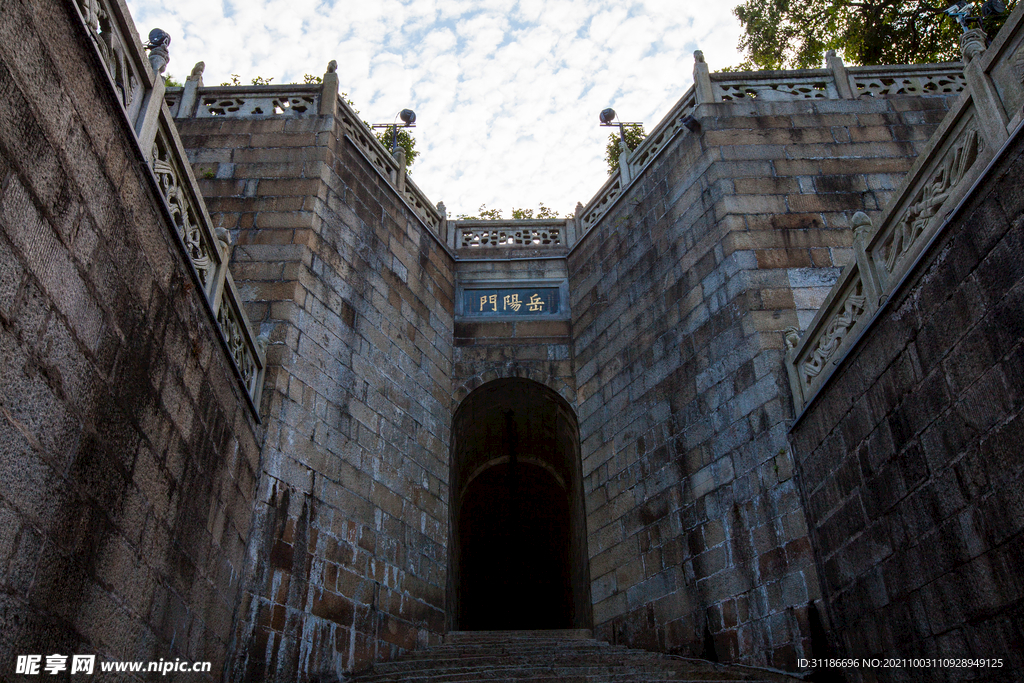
(408, 117)
(608, 119)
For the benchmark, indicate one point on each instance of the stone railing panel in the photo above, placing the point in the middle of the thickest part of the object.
(172, 98)
(601, 202)
(1003, 63)
(484, 234)
(774, 86)
(422, 206)
(246, 350)
(368, 144)
(811, 361)
(258, 100)
(663, 132)
(927, 197)
(926, 79)
(185, 207)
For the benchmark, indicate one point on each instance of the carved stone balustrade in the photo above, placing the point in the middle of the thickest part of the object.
(958, 154)
(139, 88)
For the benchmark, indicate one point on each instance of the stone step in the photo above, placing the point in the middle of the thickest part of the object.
(453, 637)
(569, 656)
(512, 649)
(601, 656)
(582, 673)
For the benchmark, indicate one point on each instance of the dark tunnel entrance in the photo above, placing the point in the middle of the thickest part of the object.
(518, 555)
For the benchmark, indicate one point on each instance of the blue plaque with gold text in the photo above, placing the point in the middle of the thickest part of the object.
(510, 301)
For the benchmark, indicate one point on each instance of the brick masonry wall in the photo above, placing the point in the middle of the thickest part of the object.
(911, 457)
(349, 553)
(128, 453)
(679, 298)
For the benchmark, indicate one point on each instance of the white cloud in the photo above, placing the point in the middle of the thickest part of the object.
(506, 96)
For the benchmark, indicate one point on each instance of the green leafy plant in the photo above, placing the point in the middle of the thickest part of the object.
(483, 213)
(635, 134)
(171, 82)
(405, 140)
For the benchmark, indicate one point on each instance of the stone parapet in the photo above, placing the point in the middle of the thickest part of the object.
(834, 83)
(268, 102)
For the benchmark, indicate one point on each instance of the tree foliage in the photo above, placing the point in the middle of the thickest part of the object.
(483, 213)
(405, 140)
(795, 34)
(635, 134)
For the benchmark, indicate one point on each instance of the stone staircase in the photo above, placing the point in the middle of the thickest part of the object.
(569, 656)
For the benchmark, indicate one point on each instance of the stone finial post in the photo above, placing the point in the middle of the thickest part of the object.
(861, 225)
(792, 336)
(148, 120)
(399, 155)
(224, 242)
(702, 79)
(862, 232)
(839, 73)
(990, 114)
(625, 171)
(329, 91)
(190, 92)
(442, 211)
(197, 74)
(972, 44)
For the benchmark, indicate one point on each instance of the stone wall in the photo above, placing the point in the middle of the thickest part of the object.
(128, 451)
(680, 296)
(536, 349)
(347, 562)
(910, 456)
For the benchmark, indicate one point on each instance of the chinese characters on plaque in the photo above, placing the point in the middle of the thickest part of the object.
(511, 301)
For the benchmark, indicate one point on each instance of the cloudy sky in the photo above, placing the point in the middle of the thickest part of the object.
(506, 94)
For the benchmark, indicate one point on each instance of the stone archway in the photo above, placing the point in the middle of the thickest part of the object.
(517, 546)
